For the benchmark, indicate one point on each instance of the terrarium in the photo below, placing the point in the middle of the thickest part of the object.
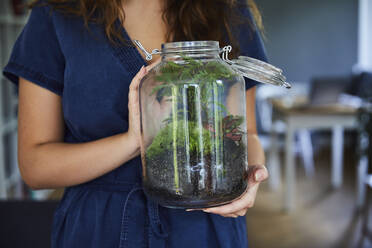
(193, 124)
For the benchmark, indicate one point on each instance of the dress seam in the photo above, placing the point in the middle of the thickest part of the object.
(42, 80)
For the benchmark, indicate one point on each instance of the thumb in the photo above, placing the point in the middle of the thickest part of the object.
(257, 174)
(261, 173)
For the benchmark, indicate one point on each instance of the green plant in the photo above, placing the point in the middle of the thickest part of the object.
(207, 75)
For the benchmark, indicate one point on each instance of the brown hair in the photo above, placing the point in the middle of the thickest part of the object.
(185, 20)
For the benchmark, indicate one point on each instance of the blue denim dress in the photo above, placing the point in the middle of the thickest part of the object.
(92, 77)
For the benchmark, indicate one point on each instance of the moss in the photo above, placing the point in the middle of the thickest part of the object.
(193, 70)
(164, 139)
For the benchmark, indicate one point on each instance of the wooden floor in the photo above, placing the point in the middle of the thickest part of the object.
(323, 217)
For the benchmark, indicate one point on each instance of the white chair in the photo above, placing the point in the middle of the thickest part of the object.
(266, 127)
(365, 207)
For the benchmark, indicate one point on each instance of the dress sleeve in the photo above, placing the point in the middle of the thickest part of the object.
(36, 55)
(250, 40)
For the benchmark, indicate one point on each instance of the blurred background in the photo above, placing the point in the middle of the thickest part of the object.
(316, 136)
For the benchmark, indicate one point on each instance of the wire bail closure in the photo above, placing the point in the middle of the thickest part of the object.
(147, 54)
(225, 54)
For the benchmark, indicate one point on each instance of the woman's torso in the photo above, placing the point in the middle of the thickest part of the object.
(95, 97)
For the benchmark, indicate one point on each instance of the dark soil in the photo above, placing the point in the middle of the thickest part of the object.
(201, 182)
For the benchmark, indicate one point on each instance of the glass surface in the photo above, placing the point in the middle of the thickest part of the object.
(193, 129)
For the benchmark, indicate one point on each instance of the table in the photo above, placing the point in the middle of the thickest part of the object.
(297, 116)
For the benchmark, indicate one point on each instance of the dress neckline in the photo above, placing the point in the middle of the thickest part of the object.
(127, 37)
(127, 53)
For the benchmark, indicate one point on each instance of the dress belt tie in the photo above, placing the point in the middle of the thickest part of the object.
(157, 231)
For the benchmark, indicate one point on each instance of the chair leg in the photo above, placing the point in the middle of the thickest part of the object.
(366, 232)
(273, 163)
(290, 170)
(337, 156)
(361, 186)
(3, 188)
(304, 136)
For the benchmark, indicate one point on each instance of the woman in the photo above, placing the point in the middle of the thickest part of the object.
(78, 117)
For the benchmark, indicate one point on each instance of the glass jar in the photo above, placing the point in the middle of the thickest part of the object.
(193, 124)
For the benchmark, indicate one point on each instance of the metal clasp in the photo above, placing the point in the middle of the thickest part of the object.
(147, 54)
(225, 54)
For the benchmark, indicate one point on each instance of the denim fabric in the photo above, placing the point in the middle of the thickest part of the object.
(92, 77)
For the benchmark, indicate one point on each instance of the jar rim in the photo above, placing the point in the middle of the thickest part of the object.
(191, 44)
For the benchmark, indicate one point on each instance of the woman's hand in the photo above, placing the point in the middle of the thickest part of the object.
(239, 207)
(133, 106)
(133, 103)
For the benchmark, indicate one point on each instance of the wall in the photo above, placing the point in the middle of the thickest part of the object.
(311, 38)
(365, 36)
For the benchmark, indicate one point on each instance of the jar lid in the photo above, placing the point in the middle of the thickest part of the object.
(248, 67)
(255, 69)
(259, 71)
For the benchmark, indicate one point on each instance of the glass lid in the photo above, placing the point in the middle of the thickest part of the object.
(259, 71)
(255, 69)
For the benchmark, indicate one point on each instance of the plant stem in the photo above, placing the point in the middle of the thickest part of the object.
(218, 129)
(175, 126)
(186, 120)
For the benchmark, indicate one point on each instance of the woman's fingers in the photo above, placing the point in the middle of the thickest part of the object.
(236, 214)
(231, 215)
(133, 103)
(140, 74)
(245, 202)
(256, 175)
(137, 78)
(152, 65)
(241, 212)
(133, 92)
(260, 174)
